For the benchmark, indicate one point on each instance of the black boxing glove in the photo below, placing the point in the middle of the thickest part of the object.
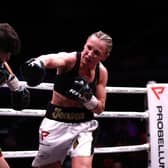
(20, 96)
(20, 99)
(33, 71)
(81, 91)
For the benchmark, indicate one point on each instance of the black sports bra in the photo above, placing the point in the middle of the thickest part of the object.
(63, 81)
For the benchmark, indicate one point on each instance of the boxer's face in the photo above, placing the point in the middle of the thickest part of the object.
(94, 50)
(4, 56)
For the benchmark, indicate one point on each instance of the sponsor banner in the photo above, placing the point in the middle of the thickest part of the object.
(158, 124)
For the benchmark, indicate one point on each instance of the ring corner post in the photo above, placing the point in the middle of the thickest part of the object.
(157, 96)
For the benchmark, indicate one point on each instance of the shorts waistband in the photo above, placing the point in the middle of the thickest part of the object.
(71, 115)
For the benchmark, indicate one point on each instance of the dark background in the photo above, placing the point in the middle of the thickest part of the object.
(139, 31)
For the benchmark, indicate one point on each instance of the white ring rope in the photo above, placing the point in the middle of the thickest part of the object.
(98, 150)
(105, 114)
(126, 90)
(49, 86)
(119, 114)
(41, 113)
(25, 112)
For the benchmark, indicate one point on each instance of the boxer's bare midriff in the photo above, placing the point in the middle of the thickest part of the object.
(60, 100)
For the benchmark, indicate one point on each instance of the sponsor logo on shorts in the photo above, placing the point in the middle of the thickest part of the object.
(58, 114)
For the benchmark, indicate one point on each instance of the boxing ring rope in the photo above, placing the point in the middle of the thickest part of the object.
(105, 114)
(126, 90)
(98, 150)
(41, 113)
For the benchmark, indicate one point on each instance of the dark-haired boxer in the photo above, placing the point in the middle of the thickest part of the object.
(10, 46)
